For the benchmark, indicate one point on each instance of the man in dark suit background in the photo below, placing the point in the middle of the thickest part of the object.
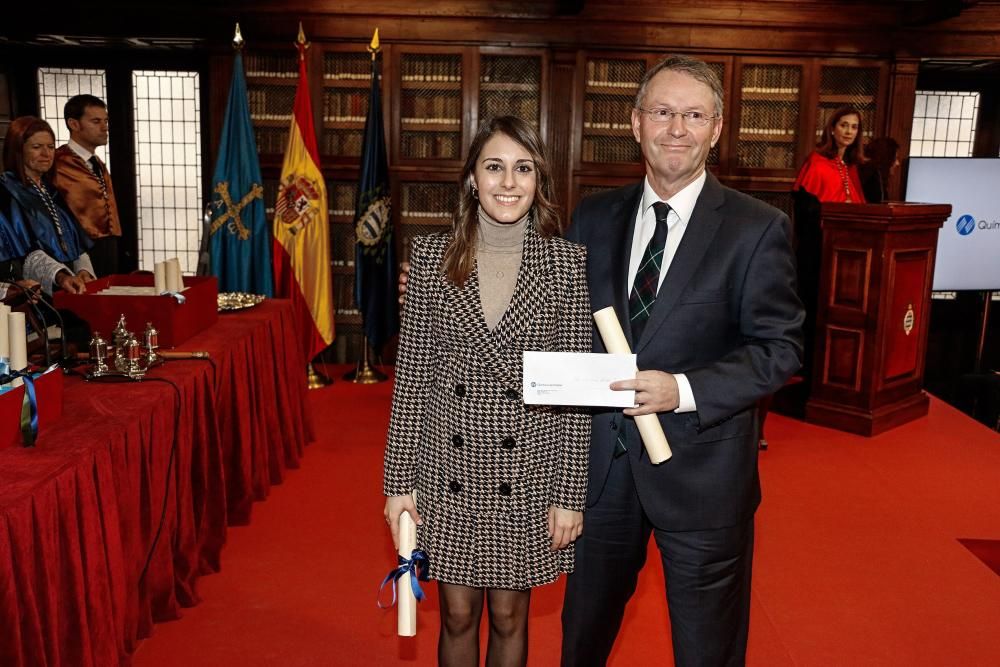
(703, 284)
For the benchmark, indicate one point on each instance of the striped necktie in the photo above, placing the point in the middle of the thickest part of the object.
(647, 278)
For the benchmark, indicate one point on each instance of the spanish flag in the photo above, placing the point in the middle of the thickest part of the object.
(302, 228)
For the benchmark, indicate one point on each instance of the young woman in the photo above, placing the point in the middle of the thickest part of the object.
(830, 173)
(500, 485)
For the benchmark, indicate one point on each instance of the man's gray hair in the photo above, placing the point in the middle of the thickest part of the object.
(696, 69)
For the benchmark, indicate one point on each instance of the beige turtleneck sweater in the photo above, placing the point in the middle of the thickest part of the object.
(498, 258)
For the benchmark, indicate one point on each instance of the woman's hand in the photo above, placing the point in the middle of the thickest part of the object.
(564, 526)
(404, 275)
(394, 508)
(72, 284)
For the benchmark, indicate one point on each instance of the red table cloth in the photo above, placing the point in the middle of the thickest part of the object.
(182, 453)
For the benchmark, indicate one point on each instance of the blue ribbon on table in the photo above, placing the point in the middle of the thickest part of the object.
(29, 404)
(416, 565)
(177, 295)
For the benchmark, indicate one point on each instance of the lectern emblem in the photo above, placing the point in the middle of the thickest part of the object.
(908, 319)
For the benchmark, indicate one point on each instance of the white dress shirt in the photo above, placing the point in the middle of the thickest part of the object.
(681, 207)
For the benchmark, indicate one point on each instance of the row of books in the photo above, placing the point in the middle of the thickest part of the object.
(768, 131)
(347, 66)
(431, 145)
(498, 105)
(770, 116)
(339, 104)
(343, 143)
(271, 140)
(272, 65)
(609, 149)
(343, 294)
(427, 201)
(607, 113)
(624, 74)
(274, 103)
(426, 68)
(771, 79)
(442, 105)
(766, 156)
(499, 69)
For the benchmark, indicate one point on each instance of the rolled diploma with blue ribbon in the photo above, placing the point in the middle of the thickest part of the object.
(406, 605)
(649, 425)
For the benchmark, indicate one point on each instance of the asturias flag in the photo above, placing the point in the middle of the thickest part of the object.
(374, 253)
(302, 227)
(239, 242)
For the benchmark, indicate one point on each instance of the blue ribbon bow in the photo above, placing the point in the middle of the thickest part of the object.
(29, 405)
(416, 565)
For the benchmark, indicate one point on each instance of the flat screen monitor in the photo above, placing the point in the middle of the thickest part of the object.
(968, 250)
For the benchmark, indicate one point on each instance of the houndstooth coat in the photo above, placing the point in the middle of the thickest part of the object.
(486, 467)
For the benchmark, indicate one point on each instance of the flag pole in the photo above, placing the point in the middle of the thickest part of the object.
(365, 373)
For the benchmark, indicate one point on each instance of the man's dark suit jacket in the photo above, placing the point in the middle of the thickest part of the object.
(727, 316)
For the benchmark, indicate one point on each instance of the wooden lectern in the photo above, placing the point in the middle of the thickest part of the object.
(872, 321)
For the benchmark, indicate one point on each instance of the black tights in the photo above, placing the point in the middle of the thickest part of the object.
(461, 611)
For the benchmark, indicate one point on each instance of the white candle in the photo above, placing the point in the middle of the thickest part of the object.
(18, 341)
(174, 281)
(160, 277)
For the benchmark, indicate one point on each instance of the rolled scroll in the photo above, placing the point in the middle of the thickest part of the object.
(160, 277)
(650, 430)
(17, 339)
(406, 605)
(175, 283)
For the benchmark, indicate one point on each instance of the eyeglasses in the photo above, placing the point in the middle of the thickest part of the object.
(690, 118)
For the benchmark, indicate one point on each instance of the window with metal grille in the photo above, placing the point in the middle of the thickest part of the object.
(56, 85)
(944, 123)
(168, 166)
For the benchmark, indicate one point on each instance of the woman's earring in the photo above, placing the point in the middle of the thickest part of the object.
(475, 192)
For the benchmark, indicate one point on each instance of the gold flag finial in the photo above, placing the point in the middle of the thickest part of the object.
(374, 47)
(237, 38)
(301, 44)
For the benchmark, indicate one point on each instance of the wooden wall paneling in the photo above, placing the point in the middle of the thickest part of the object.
(562, 119)
(902, 96)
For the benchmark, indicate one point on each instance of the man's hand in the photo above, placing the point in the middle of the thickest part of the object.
(404, 275)
(31, 289)
(394, 508)
(564, 526)
(72, 284)
(85, 275)
(655, 391)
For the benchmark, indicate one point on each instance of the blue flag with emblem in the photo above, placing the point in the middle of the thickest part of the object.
(240, 237)
(375, 252)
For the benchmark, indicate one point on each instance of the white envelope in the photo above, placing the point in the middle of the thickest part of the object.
(577, 378)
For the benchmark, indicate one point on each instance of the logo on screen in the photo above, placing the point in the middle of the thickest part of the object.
(965, 224)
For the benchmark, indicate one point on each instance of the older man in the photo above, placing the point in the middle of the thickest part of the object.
(703, 279)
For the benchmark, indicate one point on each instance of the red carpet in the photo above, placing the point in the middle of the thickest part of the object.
(858, 560)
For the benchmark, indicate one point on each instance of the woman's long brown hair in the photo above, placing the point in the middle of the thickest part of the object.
(461, 253)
